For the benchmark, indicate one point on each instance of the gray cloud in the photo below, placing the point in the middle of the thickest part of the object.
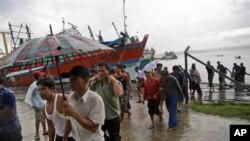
(172, 25)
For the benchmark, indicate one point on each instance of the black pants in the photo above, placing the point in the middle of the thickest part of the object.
(210, 80)
(113, 128)
(59, 138)
(198, 88)
(185, 93)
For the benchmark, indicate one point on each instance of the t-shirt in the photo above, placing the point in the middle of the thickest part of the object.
(111, 101)
(210, 70)
(178, 76)
(7, 99)
(151, 88)
(89, 106)
(124, 81)
(33, 97)
(242, 70)
(237, 69)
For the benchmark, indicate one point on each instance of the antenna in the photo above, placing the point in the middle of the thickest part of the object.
(100, 37)
(91, 33)
(63, 22)
(51, 31)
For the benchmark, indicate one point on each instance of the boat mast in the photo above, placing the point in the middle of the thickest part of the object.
(124, 18)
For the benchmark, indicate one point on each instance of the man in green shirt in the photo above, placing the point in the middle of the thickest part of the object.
(110, 90)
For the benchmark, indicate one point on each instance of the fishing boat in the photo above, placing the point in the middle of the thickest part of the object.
(128, 54)
(169, 55)
(126, 50)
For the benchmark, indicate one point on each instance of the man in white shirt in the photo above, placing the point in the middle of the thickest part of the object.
(140, 80)
(84, 108)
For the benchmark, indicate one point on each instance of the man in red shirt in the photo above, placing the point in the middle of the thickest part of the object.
(152, 94)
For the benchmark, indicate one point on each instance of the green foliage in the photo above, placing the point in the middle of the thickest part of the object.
(223, 109)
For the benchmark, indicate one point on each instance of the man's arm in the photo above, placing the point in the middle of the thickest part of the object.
(128, 84)
(117, 86)
(157, 94)
(6, 112)
(51, 128)
(83, 121)
(67, 129)
(145, 92)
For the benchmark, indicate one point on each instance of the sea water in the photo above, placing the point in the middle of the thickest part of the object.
(225, 56)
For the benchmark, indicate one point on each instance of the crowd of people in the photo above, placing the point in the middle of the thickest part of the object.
(99, 98)
(237, 74)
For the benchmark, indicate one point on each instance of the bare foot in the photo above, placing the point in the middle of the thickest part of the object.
(151, 127)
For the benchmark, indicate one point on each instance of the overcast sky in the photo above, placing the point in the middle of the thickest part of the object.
(171, 24)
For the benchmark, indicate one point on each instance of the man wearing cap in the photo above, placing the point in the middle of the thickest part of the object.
(83, 107)
(10, 127)
(110, 89)
(34, 99)
(152, 95)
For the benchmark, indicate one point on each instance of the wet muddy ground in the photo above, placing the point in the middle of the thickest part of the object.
(192, 126)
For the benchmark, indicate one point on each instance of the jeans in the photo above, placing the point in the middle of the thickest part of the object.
(113, 128)
(171, 104)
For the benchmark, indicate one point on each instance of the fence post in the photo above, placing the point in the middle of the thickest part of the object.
(186, 67)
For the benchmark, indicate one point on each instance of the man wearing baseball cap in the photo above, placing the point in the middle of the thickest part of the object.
(84, 108)
(152, 95)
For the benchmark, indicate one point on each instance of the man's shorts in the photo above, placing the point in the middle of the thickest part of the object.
(153, 107)
(39, 115)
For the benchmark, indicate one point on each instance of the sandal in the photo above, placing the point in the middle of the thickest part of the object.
(37, 137)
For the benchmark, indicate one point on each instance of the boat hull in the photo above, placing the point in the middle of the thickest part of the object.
(129, 55)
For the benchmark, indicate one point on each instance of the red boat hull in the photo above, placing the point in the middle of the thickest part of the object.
(128, 54)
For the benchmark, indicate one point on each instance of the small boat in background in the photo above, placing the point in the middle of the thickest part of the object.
(220, 55)
(169, 55)
(238, 57)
